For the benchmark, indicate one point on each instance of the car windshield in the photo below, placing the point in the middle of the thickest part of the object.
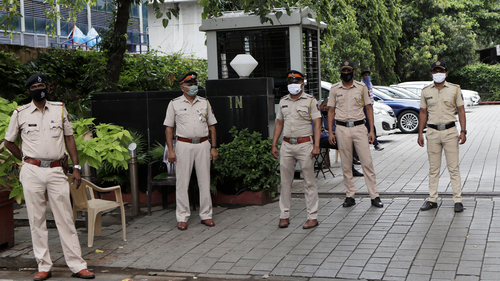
(382, 94)
(395, 93)
(408, 92)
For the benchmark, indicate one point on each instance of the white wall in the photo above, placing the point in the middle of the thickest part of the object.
(182, 34)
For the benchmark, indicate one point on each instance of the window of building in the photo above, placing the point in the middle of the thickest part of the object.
(134, 11)
(29, 24)
(16, 22)
(66, 28)
(40, 25)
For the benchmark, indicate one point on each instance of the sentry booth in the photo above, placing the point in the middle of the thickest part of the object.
(290, 42)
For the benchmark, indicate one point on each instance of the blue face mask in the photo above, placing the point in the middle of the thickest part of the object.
(366, 80)
(193, 90)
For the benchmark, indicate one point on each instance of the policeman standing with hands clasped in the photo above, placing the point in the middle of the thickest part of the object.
(439, 101)
(193, 119)
(296, 111)
(45, 131)
(346, 101)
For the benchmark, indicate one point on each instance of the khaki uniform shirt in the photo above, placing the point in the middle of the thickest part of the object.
(42, 133)
(190, 119)
(441, 104)
(297, 115)
(349, 103)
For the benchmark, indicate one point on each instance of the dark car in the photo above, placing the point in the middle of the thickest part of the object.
(406, 110)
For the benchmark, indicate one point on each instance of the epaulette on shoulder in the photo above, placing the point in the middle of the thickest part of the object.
(284, 97)
(202, 98)
(452, 84)
(19, 109)
(309, 96)
(428, 86)
(56, 103)
(360, 83)
(177, 98)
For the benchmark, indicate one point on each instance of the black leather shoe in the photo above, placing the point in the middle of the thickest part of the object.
(459, 207)
(349, 201)
(376, 202)
(355, 161)
(356, 173)
(428, 205)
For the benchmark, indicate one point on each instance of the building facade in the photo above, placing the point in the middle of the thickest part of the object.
(30, 29)
(182, 35)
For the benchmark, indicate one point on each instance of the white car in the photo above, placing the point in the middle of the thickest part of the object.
(384, 118)
(470, 97)
(473, 95)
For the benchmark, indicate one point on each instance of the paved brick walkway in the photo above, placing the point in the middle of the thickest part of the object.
(396, 242)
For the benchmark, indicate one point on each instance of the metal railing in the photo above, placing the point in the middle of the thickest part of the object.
(136, 43)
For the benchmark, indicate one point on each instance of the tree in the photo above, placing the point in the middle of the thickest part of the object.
(114, 41)
(366, 31)
(448, 30)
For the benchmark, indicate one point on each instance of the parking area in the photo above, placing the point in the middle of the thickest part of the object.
(402, 167)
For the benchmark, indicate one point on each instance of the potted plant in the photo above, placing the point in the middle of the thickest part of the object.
(246, 167)
(10, 187)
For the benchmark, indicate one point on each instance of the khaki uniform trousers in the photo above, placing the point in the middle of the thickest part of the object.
(36, 181)
(357, 135)
(436, 142)
(189, 154)
(289, 155)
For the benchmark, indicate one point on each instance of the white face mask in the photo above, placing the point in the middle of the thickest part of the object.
(438, 77)
(294, 89)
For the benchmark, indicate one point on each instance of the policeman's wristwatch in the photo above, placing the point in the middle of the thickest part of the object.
(78, 167)
(463, 131)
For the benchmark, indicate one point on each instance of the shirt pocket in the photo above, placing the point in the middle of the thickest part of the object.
(340, 100)
(431, 102)
(31, 133)
(449, 102)
(286, 112)
(303, 111)
(182, 116)
(56, 129)
(358, 99)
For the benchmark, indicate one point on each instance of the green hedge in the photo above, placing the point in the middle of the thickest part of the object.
(480, 77)
(75, 74)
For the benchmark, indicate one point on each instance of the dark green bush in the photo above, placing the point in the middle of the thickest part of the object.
(246, 163)
(75, 74)
(12, 77)
(480, 77)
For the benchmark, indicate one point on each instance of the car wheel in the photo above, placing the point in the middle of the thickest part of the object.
(408, 121)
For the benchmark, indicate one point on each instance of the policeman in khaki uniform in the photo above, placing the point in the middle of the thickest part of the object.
(193, 119)
(45, 132)
(439, 101)
(296, 111)
(346, 101)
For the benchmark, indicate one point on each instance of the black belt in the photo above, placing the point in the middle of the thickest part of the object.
(350, 123)
(441, 127)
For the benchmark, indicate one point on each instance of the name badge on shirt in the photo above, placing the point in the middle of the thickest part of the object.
(428, 98)
(339, 95)
(284, 106)
(183, 109)
(32, 125)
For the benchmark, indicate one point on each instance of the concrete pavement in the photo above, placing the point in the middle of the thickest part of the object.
(396, 242)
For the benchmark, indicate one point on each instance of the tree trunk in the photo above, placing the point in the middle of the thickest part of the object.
(116, 51)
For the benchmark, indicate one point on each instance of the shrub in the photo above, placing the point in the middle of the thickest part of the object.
(246, 163)
(480, 77)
